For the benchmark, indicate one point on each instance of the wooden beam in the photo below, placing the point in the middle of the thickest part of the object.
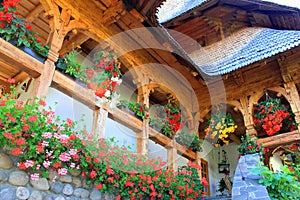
(15, 57)
(75, 41)
(281, 139)
(35, 12)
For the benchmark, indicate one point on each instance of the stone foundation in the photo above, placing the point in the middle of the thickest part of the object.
(245, 183)
(16, 185)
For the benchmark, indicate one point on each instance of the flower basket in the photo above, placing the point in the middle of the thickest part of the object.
(219, 127)
(18, 31)
(273, 117)
(188, 140)
(33, 54)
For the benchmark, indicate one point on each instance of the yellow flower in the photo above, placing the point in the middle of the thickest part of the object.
(218, 126)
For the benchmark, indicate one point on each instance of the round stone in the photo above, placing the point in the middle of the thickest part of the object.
(65, 179)
(18, 178)
(81, 193)
(22, 193)
(96, 195)
(68, 190)
(57, 187)
(60, 198)
(3, 176)
(41, 184)
(76, 182)
(8, 193)
(48, 197)
(5, 161)
(36, 195)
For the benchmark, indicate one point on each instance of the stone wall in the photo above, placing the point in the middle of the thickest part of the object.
(16, 185)
(245, 183)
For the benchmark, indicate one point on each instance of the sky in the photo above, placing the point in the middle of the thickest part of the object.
(173, 8)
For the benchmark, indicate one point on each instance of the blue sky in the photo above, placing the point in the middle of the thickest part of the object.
(173, 8)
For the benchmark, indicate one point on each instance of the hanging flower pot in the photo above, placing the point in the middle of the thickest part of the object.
(270, 115)
(220, 125)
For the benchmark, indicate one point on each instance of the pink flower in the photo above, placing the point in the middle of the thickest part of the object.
(46, 163)
(72, 165)
(35, 177)
(64, 157)
(45, 143)
(63, 139)
(69, 122)
(46, 135)
(62, 171)
(29, 163)
(73, 152)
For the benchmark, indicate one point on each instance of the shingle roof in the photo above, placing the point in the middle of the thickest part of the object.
(243, 48)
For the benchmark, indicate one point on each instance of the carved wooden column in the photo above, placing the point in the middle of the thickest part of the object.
(172, 156)
(198, 162)
(286, 68)
(142, 137)
(60, 25)
(99, 122)
(42, 83)
(246, 106)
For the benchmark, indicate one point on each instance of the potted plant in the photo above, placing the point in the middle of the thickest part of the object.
(249, 145)
(68, 65)
(189, 140)
(19, 31)
(104, 76)
(220, 125)
(167, 120)
(270, 115)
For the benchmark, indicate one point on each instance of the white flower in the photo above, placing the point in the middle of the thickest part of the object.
(115, 79)
(107, 93)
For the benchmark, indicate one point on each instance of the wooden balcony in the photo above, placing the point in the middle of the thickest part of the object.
(12, 57)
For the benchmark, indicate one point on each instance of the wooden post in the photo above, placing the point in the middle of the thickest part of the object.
(99, 122)
(291, 89)
(42, 83)
(172, 156)
(198, 162)
(142, 139)
(245, 106)
(286, 70)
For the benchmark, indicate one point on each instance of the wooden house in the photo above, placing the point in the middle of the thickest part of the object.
(221, 54)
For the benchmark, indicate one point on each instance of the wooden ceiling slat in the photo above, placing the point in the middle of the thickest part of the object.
(35, 13)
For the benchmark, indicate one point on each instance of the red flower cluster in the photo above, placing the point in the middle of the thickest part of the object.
(270, 114)
(104, 76)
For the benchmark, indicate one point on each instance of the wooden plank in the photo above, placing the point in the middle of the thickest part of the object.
(126, 119)
(12, 55)
(281, 139)
(35, 13)
(72, 89)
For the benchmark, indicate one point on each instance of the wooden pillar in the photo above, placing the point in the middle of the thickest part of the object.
(287, 67)
(291, 89)
(99, 122)
(42, 83)
(198, 162)
(246, 106)
(172, 156)
(142, 137)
